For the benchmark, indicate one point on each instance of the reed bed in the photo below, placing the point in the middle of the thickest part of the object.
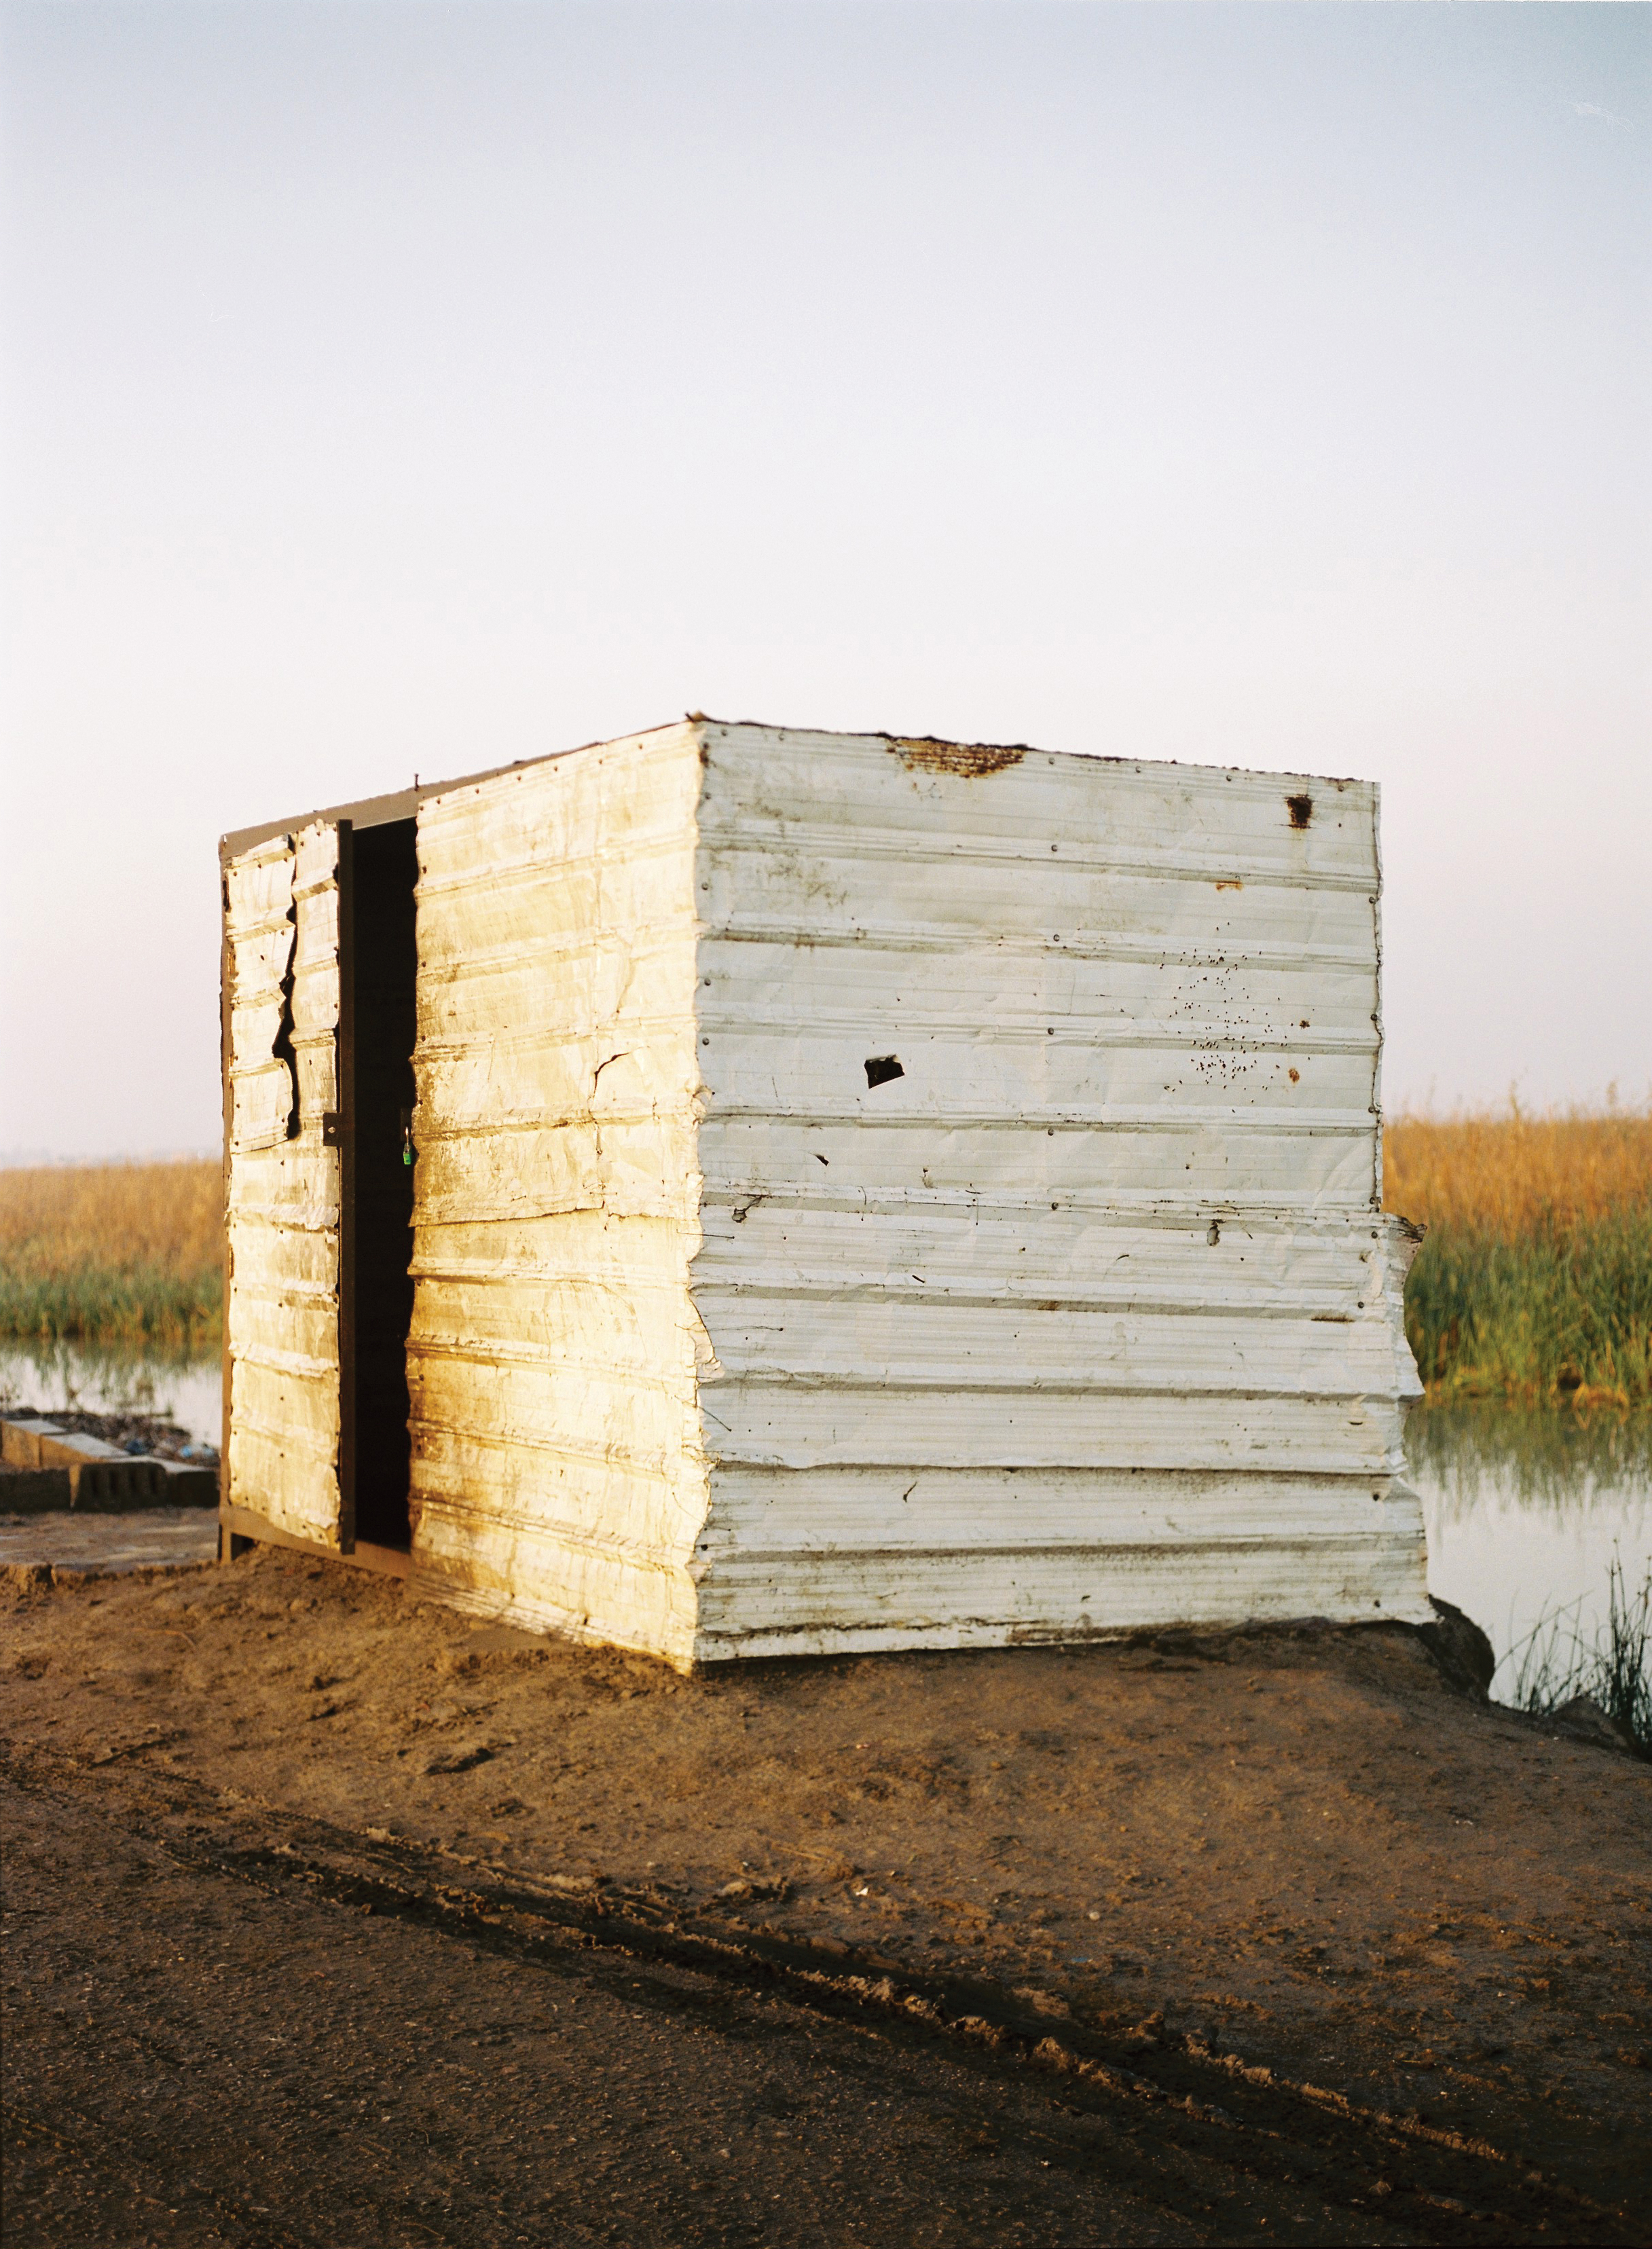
(1535, 1281)
(112, 1253)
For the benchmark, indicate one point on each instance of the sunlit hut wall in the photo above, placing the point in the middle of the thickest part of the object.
(1535, 1281)
(112, 1252)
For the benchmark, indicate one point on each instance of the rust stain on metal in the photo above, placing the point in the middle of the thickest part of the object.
(1301, 810)
(924, 754)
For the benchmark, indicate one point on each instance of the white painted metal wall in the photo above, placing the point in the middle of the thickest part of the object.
(281, 1310)
(1090, 1320)
(1087, 1321)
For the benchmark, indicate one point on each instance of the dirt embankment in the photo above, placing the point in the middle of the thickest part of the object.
(1311, 1853)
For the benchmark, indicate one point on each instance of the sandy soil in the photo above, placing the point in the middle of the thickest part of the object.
(1313, 1862)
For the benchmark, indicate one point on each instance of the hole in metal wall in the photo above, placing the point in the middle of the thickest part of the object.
(281, 1045)
(1301, 810)
(881, 1068)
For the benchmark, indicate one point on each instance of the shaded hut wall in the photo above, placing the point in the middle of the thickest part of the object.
(281, 1314)
(556, 1473)
(1089, 1319)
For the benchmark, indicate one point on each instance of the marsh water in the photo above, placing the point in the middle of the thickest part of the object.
(182, 1387)
(1525, 1511)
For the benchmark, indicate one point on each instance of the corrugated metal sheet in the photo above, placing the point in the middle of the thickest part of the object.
(557, 1475)
(281, 1314)
(1089, 1320)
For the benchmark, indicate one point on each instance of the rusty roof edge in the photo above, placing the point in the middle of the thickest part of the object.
(402, 804)
(1035, 749)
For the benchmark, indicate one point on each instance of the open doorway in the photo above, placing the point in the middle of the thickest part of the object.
(378, 1018)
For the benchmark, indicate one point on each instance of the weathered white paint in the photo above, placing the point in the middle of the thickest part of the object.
(1089, 1321)
(557, 1471)
(281, 1313)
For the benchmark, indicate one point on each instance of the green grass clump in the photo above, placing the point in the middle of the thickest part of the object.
(1535, 1281)
(1562, 1311)
(103, 1305)
(1612, 1669)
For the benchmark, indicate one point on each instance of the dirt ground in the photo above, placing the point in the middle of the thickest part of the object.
(1293, 1916)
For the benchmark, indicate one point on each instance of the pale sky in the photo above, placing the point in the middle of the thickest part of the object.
(418, 386)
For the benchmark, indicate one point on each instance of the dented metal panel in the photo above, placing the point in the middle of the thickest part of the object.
(557, 1475)
(260, 926)
(1086, 1318)
(281, 1314)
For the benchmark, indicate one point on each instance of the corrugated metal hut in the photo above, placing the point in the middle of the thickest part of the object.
(735, 1191)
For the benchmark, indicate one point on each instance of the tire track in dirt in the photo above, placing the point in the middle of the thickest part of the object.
(1387, 2177)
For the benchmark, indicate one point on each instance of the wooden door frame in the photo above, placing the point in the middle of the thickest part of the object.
(345, 1094)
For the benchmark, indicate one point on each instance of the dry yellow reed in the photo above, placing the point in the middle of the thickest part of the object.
(116, 1217)
(1510, 1174)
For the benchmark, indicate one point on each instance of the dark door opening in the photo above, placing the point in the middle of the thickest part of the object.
(377, 1022)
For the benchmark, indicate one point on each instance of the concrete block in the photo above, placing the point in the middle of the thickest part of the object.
(189, 1483)
(20, 1439)
(34, 1491)
(102, 1475)
(120, 1485)
(64, 1448)
(89, 1473)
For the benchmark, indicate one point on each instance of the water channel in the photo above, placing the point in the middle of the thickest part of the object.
(1525, 1511)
